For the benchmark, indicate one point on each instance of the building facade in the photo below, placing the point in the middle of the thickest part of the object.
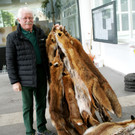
(76, 16)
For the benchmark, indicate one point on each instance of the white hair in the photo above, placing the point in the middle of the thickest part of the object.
(23, 9)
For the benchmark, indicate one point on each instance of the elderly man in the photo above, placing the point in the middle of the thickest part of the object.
(27, 66)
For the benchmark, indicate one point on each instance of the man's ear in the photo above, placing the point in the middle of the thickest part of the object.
(18, 20)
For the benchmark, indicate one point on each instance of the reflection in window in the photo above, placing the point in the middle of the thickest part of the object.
(70, 17)
(117, 8)
(5, 1)
(124, 5)
(133, 5)
(106, 1)
(125, 23)
(97, 3)
(118, 23)
(133, 21)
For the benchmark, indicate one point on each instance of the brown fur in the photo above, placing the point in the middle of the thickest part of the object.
(65, 110)
(75, 117)
(113, 128)
(51, 46)
(76, 63)
(102, 81)
(56, 99)
(89, 120)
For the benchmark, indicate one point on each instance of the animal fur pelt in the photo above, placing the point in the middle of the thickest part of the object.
(113, 128)
(58, 110)
(78, 84)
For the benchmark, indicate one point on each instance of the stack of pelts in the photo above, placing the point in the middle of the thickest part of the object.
(130, 82)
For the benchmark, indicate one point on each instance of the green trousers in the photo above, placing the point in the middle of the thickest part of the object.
(40, 100)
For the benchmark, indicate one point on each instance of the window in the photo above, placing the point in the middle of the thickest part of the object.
(124, 5)
(104, 23)
(68, 16)
(133, 5)
(125, 18)
(106, 1)
(125, 22)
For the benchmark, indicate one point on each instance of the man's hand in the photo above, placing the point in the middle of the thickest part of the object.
(57, 26)
(17, 86)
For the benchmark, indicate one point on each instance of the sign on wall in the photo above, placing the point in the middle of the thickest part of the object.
(104, 23)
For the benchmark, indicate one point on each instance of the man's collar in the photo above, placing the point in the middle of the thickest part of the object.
(26, 32)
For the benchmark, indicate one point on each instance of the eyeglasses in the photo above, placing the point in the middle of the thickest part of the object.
(25, 18)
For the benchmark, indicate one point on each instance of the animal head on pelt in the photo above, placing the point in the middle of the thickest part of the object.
(63, 41)
(51, 46)
(56, 67)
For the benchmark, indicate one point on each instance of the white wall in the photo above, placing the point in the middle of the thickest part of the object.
(116, 56)
(85, 21)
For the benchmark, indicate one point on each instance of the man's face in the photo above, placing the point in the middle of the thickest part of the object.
(26, 21)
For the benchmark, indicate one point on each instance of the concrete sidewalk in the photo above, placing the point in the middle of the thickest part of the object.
(11, 121)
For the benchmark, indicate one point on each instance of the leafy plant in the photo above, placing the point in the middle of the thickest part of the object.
(8, 19)
(52, 9)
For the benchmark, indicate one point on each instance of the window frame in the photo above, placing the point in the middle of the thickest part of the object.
(124, 36)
